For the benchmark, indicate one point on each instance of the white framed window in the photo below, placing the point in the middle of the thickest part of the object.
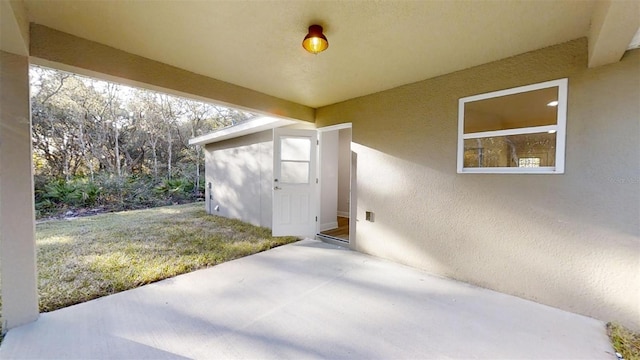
(514, 131)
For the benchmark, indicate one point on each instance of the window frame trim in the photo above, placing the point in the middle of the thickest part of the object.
(560, 128)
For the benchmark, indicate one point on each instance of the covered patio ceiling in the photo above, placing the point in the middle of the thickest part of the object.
(373, 46)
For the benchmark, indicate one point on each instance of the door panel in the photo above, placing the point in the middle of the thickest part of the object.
(294, 183)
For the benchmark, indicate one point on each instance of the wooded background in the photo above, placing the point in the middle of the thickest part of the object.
(97, 143)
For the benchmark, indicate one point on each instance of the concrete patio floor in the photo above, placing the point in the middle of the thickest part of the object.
(308, 300)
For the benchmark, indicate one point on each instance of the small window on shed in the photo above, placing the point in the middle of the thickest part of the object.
(519, 130)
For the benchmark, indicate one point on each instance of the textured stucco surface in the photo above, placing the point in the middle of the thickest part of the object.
(17, 241)
(571, 241)
(241, 172)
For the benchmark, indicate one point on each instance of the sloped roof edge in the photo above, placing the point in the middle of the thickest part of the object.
(252, 126)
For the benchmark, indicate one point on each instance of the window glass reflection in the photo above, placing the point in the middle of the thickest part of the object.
(295, 148)
(294, 172)
(528, 109)
(507, 151)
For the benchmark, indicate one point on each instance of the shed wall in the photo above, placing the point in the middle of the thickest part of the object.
(240, 171)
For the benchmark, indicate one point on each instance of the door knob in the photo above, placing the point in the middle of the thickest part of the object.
(277, 188)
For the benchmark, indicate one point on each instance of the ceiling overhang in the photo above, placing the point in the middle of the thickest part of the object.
(14, 34)
(248, 54)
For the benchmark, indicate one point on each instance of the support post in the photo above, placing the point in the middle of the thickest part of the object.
(17, 224)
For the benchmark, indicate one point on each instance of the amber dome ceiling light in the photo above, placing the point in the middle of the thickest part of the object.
(315, 41)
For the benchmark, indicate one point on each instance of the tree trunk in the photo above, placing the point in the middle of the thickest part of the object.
(85, 155)
(170, 152)
(197, 187)
(155, 158)
(117, 150)
(66, 158)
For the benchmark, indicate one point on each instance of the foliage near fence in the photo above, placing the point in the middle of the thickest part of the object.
(105, 193)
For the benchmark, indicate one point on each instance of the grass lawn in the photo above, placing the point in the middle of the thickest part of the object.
(625, 341)
(86, 258)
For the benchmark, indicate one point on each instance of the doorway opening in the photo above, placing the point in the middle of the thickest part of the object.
(335, 222)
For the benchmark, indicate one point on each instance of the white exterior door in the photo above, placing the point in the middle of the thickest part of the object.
(294, 182)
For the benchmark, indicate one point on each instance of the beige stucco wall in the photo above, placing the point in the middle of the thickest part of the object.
(241, 171)
(17, 244)
(571, 241)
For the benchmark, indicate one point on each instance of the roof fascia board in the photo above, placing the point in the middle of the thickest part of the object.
(248, 127)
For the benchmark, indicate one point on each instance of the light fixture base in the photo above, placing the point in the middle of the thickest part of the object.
(315, 41)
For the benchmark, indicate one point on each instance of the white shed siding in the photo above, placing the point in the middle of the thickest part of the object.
(241, 171)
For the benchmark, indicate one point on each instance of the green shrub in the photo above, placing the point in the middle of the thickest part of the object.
(89, 192)
(179, 189)
(111, 193)
(62, 192)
